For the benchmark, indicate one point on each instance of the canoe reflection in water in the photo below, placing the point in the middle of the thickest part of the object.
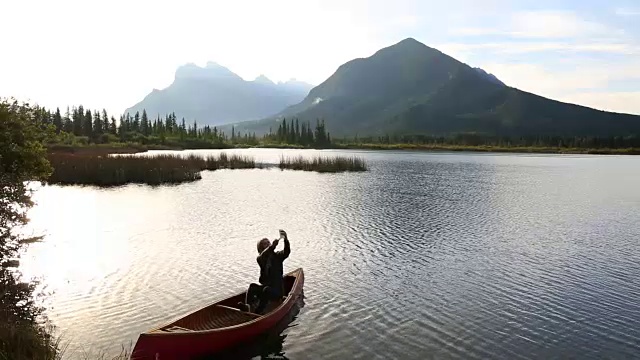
(266, 346)
(222, 327)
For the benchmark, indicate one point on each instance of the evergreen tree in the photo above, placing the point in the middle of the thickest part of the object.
(122, 127)
(183, 129)
(279, 134)
(87, 127)
(136, 122)
(41, 116)
(57, 120)
(144, 126)
(97, 123)
(78, 120)
(303, 133)
(113, 128)
(292, 133)
(106, 128)
(167, 124)
(310, 139)
(286, 130)
(67, 123)
(174, 123)
(126, 125)
(320, 135)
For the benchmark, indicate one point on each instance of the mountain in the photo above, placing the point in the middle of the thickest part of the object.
(410, 88)
(488, 76)
(214, 95)
(263, 80)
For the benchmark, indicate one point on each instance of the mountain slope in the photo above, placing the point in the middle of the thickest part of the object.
(410, 88)
(214, 95)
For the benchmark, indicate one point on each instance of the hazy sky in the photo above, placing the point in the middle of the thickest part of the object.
(112, 53)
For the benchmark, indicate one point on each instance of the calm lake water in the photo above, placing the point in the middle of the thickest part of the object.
(428, 255)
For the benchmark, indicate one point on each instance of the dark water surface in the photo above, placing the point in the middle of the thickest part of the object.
(428, 255)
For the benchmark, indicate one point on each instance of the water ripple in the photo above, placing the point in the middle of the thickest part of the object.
(428, 255)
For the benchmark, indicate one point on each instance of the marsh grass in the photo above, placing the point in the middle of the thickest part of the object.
(103, 170)
(224, 161)
(323, 164)
(71, 169)
(97, 149)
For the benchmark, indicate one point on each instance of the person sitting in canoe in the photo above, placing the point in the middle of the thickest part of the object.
(271, 280)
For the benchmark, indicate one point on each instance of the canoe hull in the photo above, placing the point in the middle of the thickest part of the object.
(193, 344)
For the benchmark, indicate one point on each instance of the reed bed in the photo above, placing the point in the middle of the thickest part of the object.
(324, 164)
(70, 169)
(224, 161)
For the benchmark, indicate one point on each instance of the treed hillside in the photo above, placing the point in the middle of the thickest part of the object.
(410, 88)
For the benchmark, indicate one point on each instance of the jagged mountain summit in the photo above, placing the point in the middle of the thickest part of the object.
(215, 95)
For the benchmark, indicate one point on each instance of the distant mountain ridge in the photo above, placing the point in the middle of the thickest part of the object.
(489, 76)
(410, 88)
(215, 95)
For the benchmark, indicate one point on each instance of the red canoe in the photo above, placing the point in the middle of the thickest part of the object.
(214, 328)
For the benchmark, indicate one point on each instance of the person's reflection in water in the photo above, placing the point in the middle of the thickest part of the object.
(270, 345)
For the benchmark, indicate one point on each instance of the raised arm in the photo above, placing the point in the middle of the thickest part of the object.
(287, 248)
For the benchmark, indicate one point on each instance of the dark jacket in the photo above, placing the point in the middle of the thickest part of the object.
(271, 266)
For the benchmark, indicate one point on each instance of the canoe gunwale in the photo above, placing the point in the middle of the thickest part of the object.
(156, 332)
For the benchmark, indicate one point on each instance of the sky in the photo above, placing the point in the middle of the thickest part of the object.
(110, 54)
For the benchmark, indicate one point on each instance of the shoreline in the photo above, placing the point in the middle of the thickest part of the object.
(106, 149)
(494, 149)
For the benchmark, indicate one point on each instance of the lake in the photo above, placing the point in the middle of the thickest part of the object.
(427, 255)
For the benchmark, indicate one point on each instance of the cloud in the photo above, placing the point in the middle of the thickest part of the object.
(540, 80)
(476, 31)
(542, 24)
(627, 12)
(624, 102)
(513, 47)
(556, 24)
(588, 84)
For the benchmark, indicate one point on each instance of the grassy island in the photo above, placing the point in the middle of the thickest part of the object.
(323, 164)
(103, 170)
(113, 170)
